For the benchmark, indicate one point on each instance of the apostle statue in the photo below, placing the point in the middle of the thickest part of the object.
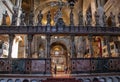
(97, 19)
(119, 19)
(80, 18)
(4, 18)
(22, 17)
(48, 18)
(40, 17)
(14, 16)
(89, 18)
(104, 17)
(31, 18)
(112, 19)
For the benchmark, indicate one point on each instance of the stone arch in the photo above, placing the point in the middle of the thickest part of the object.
(87, 80)
(110, 79)
(102, 80)
(9, 80)
(63, 42)
(59, 58)
(18, 80)
(2, 80)
(118, 79)
(25, 80)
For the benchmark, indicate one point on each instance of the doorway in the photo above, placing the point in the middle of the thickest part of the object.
(59, 58)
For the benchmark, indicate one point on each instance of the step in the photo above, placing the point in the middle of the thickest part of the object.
(61, 80)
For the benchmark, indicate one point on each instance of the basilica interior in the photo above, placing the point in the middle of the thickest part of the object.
(39, 41)
(60, 48)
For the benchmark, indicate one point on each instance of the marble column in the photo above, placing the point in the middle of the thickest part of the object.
(100, 11)
(30, 38)
(107, 38)
(73, 54)
(48, 46)
(11, 39)
(90, 45)
(93, 9)
(19, 4)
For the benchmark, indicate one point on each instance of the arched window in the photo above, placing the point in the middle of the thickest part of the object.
(25, 80)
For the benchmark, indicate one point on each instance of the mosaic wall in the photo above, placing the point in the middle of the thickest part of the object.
(96, 65)
(25, 66)
(38, 66)
(5, 66)
(43, 66)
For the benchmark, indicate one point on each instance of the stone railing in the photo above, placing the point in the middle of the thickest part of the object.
(43, 66)
(95, 65)
(25, 66)
(60, 30)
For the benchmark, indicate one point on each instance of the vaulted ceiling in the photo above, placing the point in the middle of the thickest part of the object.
(45, 6)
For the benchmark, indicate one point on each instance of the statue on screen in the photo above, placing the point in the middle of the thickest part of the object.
(4, 18)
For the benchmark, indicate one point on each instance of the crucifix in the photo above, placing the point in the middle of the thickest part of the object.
(58, 14)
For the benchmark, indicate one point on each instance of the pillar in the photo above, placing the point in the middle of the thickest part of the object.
(48, 46)
(90, 45)
(73, 54)
(93, 9)
(108, 45)
(100, 11)
(19, 4)
(11, 39)
(30, 38)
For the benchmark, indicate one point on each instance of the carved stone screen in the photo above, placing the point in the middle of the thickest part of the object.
(38, 66)
(83, 65)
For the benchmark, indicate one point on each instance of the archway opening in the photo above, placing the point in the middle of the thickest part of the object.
(59, 58)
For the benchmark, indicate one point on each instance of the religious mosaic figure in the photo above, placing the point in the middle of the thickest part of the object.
(89, 18)
(31, 16)
(4, 18)
(112, 19)
(40, 17)
(48, 18)
(80, 18)
(22, 17)
(97, 19)
(14, 16)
